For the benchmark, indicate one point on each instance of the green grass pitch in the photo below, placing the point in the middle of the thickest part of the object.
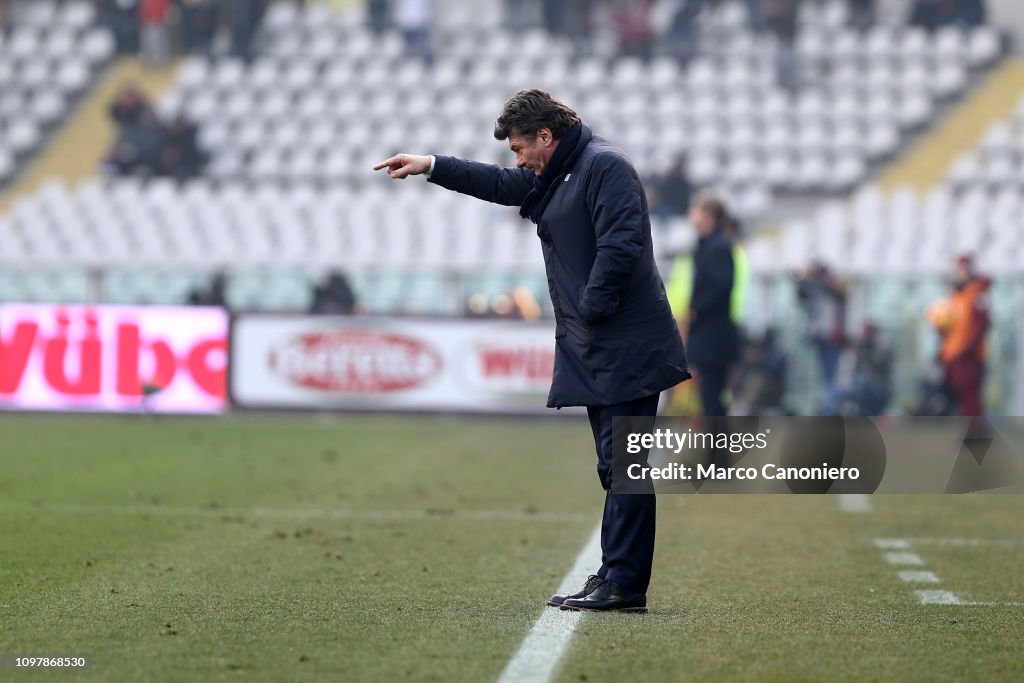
(373, 548)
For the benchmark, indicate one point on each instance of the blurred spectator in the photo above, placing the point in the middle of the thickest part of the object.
(862, 14)
(555, 20)
(669, 192)
(570, 18)
(679, 286)
(930, 14)
(760, 385)
(146, 146)
(212, 295)
(519, 304)
(712, 338)
(933, 14)
(936, 399)
(971, 13)
(198, 25)
(870, 389)
(525, 303)
(243, 18)
(823, 297)
(963, 322)
(580, 25)
(476, 306)
(128, 105)
(681, 35)
(155, 46)
(502, 307)
(334, 295)
(378, 15)
(181, 157)
(139, 147)
(122, 16)
(5, 16)
(413, 18)
(634, 28)
(781, 17)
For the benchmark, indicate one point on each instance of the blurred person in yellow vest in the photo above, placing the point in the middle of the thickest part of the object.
(707, 293)
(962, 322)
(681, 283)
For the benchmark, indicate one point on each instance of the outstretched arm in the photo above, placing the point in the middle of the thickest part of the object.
(508, 186)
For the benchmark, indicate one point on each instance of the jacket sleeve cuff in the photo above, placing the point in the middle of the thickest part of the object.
(440, 170)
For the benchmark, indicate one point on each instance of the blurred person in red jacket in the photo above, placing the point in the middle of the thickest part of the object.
(963, 322)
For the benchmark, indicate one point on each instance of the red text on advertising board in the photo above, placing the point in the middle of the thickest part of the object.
(526, 362)
(202, 361)
(357, 361)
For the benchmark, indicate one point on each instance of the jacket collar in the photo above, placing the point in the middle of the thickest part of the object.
(568, 151)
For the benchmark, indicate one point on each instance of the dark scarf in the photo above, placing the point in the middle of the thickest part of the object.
(569, 148)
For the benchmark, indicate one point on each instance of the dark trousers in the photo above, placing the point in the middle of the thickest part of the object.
(711, 386)
(965, 375)
(828, 356)
(627, 528)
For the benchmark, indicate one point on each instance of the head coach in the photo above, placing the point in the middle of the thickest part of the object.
(616, 343)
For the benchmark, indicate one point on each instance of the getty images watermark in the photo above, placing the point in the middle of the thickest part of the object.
(666, 440)
(817, 455)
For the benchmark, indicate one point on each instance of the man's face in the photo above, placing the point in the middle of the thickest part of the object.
(533, 152)
(702, 220)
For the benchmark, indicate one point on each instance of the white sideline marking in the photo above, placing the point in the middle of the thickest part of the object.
(904, 558)
(934, 597)
(854, 502)
(939, 598)
(918, 577)
(968, 542)
(307, 513)
(537, 657)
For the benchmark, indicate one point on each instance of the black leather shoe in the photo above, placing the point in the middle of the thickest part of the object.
(609, 597)
(593, 581)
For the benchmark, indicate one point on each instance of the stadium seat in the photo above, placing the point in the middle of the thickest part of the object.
(47, 57)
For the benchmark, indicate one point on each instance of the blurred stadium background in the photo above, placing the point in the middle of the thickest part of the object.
(185, 190)
(880, 139)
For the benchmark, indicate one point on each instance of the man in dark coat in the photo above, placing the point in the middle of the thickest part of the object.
(616, 344)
